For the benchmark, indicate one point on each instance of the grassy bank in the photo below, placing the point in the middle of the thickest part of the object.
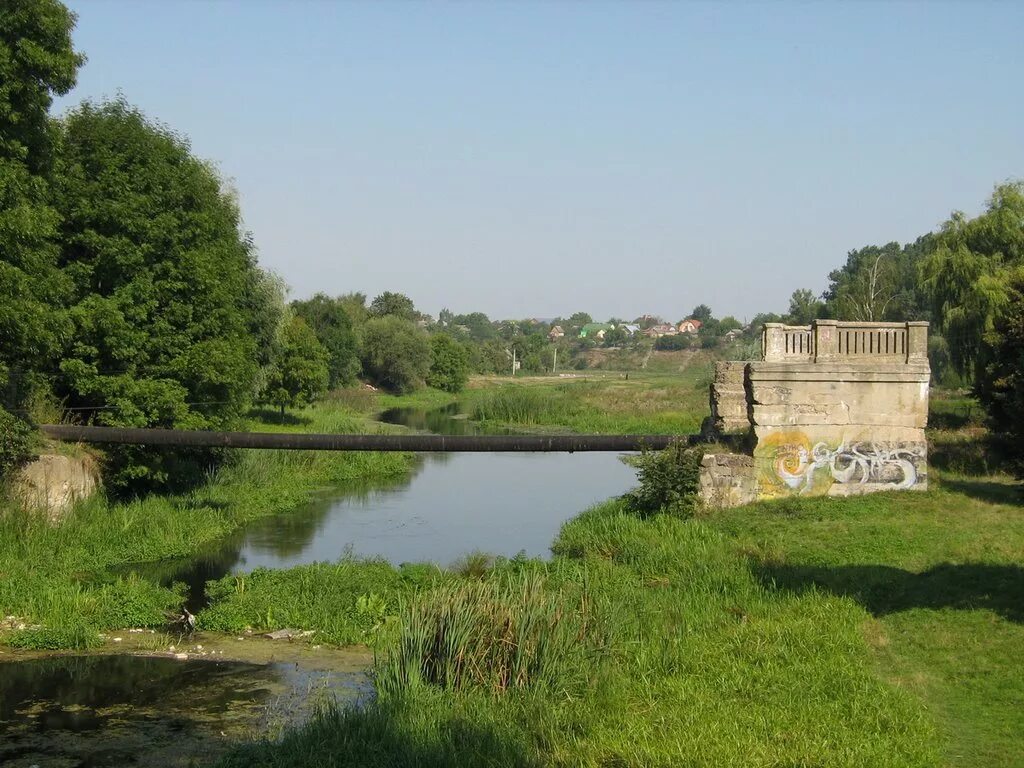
(59, 577)
(881, 630)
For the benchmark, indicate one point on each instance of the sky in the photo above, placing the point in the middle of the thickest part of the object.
(530, 159)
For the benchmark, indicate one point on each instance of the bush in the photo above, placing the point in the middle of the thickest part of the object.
(396, 354)
(16, 442)
(449, 364)
(672, 343)
(669, 481)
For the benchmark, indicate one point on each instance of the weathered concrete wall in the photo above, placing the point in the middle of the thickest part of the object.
(53, 484)
(835, 408)
(837, 428)
(729, 399)
(727, 480)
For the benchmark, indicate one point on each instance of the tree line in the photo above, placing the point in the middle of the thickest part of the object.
(130, 295)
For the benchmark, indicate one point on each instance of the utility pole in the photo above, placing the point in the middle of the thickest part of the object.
(513, 360)
(554, 362)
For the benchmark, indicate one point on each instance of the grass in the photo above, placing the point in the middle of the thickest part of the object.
(642, 404)
(61, 576)
(881, 630)
(661, 646)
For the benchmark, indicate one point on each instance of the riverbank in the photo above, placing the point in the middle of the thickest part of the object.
(880, 630)
(63, 581)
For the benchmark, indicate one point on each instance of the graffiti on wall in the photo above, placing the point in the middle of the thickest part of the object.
(794, 464)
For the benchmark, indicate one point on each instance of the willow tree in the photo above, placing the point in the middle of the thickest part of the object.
(968, 274)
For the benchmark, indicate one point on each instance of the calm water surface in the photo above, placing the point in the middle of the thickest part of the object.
(452, 505)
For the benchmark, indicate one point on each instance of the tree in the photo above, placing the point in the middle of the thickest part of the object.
(37, 62)
(804, 307)
(167, 306)
(967, 275)
(333, 328)
(701, 312)
(616, 337)
(449, 364)
(579, 319)
(879, 283)
(396, 354)
(397, 304)
(730, 323)
(1000, 386)
(479, 325)
(300, 372)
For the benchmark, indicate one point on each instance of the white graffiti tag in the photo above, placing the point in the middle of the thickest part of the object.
(855, 463)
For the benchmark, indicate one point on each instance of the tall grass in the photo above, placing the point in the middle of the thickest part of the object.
(507, 633)
(526, 405)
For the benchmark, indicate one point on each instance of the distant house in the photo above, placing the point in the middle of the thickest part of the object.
(733, 334)
(690, 326)
(555, 333)
(595, 330)
(630, 328)
(662, 329)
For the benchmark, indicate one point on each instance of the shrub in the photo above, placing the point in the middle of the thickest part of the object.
(449, 364)
(16, 442)
(396, 354)
(669, 481)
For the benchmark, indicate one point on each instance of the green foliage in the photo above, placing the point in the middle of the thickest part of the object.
(804, 307)
(673, 343)
(67, 636)
(477, 324)
(299, 371)
(1000, 380)
(333, 327)
(880, 284)
(968, 274)
(449, 364)
(168, 307)
(393, 304)
(669, 481)
(16, 442)
(345, 602)
(396, 354)
(701, 312)
(37, 61)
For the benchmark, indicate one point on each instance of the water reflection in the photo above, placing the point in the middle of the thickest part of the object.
(500, 503)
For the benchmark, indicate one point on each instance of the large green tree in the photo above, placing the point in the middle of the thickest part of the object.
(391, 303)
(968, 274)
(804, 307)
(1000, 377)
(332, 325)
(395, 353)
(449, 364)
(300, 370)
(880, 283)
(37, 61)
(171, 316)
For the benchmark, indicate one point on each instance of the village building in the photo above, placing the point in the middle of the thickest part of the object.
(690, 326)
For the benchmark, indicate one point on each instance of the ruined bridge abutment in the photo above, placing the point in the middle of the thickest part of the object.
(833, 408)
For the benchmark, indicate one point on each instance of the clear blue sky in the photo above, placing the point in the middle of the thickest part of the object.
(534, 159)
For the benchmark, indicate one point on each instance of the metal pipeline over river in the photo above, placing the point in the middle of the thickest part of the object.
(346, 442)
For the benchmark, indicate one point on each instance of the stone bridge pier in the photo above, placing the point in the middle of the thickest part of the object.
(833, 408)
